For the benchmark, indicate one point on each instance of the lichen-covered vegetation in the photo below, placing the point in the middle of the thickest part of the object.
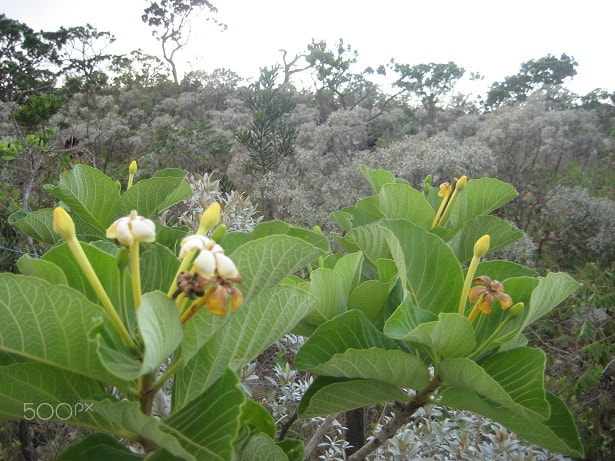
(268, 149)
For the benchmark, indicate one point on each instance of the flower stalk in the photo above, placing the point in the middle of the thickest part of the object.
(64, 226)
(481, 247)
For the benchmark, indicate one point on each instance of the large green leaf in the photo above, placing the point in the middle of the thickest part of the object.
(370, 297)
(349, 268)
(327, 286)
(248, 332)
(208, 425)
(89, 193)
(259, 447)
(402, 201)
(350, 346)
(451, 335)
(50, 324)
(158, 268)
(45, 389)
(103, 264)
(43, 269)
(264, 262)
(99, 447)
(502, 270)
(479, 197)
(513, 379)
(557, 433)
(370, 239)
(152, 196)
(406, 317)
(257, 418)
(160, 328)
(377, 178)
(551, 291)
(501, 233)
(427, 266)
(37, 224)
(328, 396)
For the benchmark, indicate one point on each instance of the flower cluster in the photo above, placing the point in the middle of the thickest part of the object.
(213, 277)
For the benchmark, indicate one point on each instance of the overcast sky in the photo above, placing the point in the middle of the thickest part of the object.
(487, 36)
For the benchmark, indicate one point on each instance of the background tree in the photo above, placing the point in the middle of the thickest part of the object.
(535, 73)
(271, 136)
(171, 22)
(28, 59)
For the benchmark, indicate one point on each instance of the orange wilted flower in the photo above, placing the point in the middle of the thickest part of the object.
(483, 293)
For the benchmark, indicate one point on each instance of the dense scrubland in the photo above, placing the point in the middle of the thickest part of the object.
(271, 149)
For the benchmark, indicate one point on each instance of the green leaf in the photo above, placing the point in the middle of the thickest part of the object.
(502, 270)
(293, 448)
(42, 269)
(264, 262)
(402, 201)
(248, 332)
(370, 298)
(50, 324)
(389, 366)
(259, 447)
(327, 286)
(406, 317)
(158, 268)
(256, 416)
(199, 330)
(208, 425)
(327, 396)
(377, 178)
(513, 379)
(558, 433)
(152, 196)
(103, 264)
(501, 234)
(351, 330)
(37, 224)
(370, 239)
(160, 328)
(451, 335)
(89, 193)
(99, 447)
(426, 264)
(45, 389)
(551, 291)
(480, 197)
(349, 268)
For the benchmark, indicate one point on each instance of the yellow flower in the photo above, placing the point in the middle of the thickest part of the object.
(132, 228)
(483, 293)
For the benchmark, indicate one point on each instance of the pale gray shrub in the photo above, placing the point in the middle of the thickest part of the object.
(579, 225)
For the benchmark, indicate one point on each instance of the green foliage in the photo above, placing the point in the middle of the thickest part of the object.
(479, 365)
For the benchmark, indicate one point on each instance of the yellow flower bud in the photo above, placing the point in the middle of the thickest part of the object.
(132, 169)
(461, 183)
(481, 247)
(218, 234)
(516, 310)
(210, 218)
(63, 224)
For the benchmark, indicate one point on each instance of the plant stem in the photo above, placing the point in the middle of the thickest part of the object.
(403, 413)
(136, 273)
(466, 284)
(170, 371)
(322, 429)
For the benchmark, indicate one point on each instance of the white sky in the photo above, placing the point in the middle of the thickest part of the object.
(487, 36)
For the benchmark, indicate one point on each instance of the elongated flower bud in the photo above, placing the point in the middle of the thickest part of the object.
(516, 310)
(210, 218)
(63, 224)
(461, 183)
(132, 169)
(481, 247)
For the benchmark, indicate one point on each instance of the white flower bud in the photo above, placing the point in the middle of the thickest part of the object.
(226, 267)
(205, 264)
(132, 228)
